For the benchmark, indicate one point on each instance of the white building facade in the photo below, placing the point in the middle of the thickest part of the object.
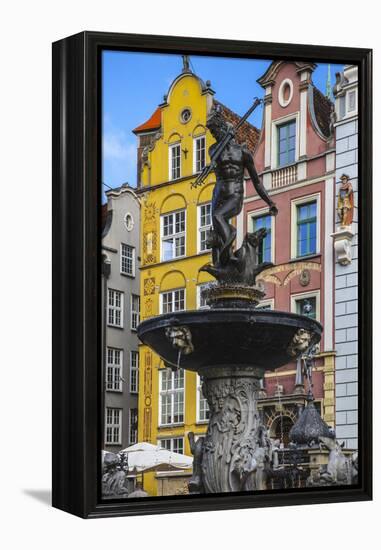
(345, 240)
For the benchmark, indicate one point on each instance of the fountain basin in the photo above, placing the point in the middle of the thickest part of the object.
(234, 337)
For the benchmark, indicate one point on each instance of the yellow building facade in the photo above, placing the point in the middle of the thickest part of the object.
(175, 218)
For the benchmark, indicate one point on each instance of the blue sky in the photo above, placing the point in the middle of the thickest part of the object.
(134, 85)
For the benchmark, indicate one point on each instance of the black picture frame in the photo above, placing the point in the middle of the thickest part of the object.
(76, 272)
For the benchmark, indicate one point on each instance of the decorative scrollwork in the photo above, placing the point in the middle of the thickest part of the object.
(236, 449)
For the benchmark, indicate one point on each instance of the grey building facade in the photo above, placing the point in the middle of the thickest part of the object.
(120, 290)
(346, 258)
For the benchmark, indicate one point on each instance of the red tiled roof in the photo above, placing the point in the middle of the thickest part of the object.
(153, 123)
(322, 107)
(247, 133)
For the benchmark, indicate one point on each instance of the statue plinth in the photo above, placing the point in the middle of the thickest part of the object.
(342, 240)
(233, 295)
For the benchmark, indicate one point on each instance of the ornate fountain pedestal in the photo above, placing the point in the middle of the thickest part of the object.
(230, 346)
(235, 446)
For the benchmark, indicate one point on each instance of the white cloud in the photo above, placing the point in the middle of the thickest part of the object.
(117, 147)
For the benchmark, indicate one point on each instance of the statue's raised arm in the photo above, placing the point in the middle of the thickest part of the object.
(250, 167)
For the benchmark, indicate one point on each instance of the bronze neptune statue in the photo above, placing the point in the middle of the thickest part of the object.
(229, 160)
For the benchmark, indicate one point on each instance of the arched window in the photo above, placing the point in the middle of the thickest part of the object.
(174, 157)
(280, 429)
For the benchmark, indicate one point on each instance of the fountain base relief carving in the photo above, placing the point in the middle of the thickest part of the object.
(234, 451)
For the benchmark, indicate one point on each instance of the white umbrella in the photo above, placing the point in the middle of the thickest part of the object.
(145, 456)
(143, 446)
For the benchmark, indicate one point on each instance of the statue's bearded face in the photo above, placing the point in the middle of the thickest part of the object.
(217, 125)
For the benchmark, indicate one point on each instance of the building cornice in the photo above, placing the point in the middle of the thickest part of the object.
(345, 120)
(149, 188)
(304, 158)
(301, 183)
(125, 188)
(109, 249)
(175, 260)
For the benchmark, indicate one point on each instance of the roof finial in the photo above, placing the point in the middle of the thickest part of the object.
(328, 90)
(186, 62)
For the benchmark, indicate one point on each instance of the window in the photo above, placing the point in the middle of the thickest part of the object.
(135, 306)
(305, 226)
(115, 308)
(199, 153)
(173, 235)
(133, 426)
(306, 220)
(351, 101)
(175, 161)
(129, 221)
(171, 396)
(306, 306)
(306, 303)
(134, 371)
(204, 225)
(185, 115)
(341, 101)
(174, 444)
(114, 369)
(286, 143)
(127, 260)
(201, 300)
(264, 252)
(174, 300)
(113, 426)
(202, 404)
(285, 92)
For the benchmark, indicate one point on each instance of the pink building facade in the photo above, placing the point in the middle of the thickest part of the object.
(295, 157)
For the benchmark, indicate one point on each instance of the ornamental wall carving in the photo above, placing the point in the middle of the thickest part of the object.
(148, 291)
(281, 275)
(149, 286)
(150, 240)
(147, 414)
(148, 308)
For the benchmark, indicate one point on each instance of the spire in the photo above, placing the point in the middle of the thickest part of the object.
(328, 90)
(186, 63)
(310, 426)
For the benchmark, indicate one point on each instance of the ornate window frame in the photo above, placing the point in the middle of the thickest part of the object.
(258, 214)
(274, 138)
(294, 230)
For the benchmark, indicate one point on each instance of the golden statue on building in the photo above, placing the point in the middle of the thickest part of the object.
(345, 202)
